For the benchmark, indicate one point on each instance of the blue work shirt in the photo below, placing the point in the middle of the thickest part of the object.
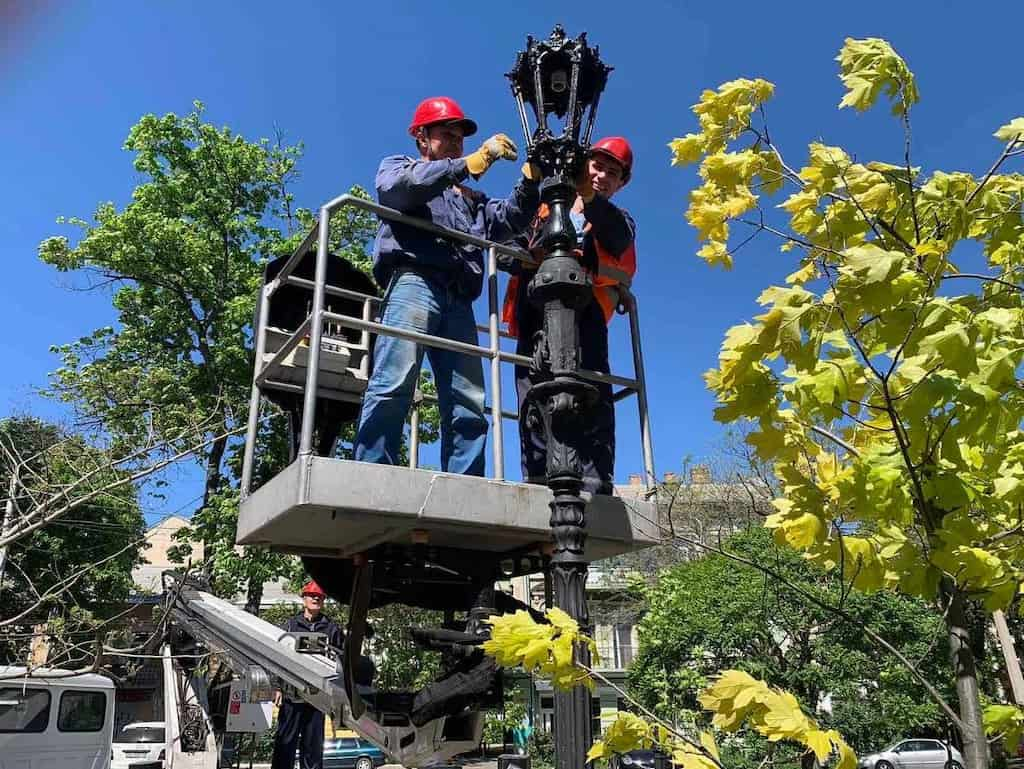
(431, 190)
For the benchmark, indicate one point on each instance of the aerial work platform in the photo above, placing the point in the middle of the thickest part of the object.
(314, 334)
(373, 535)
(337, 508)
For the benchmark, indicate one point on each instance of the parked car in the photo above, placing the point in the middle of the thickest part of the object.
(140, 742)
(351, 753)
(915, 754)
(635, 759)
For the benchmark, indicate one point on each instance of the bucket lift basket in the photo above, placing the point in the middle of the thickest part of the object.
(324, 507)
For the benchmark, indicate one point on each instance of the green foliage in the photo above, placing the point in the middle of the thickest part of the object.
(184, 262)
(712, 614)
(75, 571)
(401, 664)
(541, 749)
(498, 725)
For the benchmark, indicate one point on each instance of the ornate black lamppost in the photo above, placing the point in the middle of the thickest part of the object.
(562, 79)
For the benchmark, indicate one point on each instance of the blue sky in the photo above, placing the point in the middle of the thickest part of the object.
(344, 78)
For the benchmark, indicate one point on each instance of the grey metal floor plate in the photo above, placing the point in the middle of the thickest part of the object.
(340, 507)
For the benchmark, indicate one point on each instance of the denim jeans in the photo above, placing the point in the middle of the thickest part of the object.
(417, 303)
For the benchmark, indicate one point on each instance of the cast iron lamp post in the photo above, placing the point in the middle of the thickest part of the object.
(562, 78)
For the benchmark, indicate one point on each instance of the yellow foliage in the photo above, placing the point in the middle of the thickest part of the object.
(736, 698)
(544, 648)
(686, 150)
(919, 385)
(1012, 131)
(871, 66)
(627, 732)
(1007, 720)
(724, 114)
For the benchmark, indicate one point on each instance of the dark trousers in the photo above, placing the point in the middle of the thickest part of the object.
(597, 447)
(300, 725)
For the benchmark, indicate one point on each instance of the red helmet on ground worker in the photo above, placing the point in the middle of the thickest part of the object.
(440, 109)
(311, 588)
(618, 149)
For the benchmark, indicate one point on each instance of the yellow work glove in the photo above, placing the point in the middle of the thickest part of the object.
(532, 172)
(584, 187)
(498, 147)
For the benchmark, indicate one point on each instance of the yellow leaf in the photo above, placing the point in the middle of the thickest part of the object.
(808, 272)
(689, 759)
(819, 742)
(686, 150)
(561, 620)
(870, 66)
(847, 758)
(1012, 131)
(714, 252)
(597, 751)
(627, 732)
(707, 739)
(1007, 720)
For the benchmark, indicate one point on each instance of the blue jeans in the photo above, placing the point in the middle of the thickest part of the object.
(417, 303)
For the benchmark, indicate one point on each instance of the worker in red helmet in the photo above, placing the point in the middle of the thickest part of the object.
(299, 724)
(606, 247)
(430, 283)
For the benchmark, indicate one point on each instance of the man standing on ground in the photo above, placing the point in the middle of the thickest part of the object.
(430, 283)
(605, 246)
(299, 724)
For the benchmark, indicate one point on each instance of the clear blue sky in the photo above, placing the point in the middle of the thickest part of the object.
(343, 77)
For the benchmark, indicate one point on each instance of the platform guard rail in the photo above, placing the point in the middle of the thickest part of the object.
(312, 327)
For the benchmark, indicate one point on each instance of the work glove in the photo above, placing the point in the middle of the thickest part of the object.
(498, 147)
(532, 172)
(584, 188)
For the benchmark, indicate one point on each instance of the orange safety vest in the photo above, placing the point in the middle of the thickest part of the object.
(611, 273)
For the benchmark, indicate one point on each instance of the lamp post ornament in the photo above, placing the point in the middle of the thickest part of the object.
(562, 78)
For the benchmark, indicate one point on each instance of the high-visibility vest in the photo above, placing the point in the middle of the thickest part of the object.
(612, 272)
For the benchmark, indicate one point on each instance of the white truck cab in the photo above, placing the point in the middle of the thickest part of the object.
(53, 718)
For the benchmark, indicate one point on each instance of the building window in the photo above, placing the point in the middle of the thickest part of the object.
(24, 710)
(623, 646)
(82, 711)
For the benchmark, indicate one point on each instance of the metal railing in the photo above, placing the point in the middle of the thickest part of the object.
(312, 327)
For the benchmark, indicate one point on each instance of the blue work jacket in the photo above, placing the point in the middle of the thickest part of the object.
(432, 190)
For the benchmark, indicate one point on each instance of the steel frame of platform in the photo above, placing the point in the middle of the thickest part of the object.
(313, 326)
(378, 496)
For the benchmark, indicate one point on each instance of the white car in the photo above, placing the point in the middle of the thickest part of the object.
(141, 742)
(915, 754)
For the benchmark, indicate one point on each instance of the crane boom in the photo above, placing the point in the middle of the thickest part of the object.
(264, 656)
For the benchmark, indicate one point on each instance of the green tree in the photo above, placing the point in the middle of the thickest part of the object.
(400, 663)
(711, 614)
(183, 261)
(882, 376)
(75, 571)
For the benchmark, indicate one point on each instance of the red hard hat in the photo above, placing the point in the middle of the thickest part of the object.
(617, 149)
(311, 588)
(440, 109)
